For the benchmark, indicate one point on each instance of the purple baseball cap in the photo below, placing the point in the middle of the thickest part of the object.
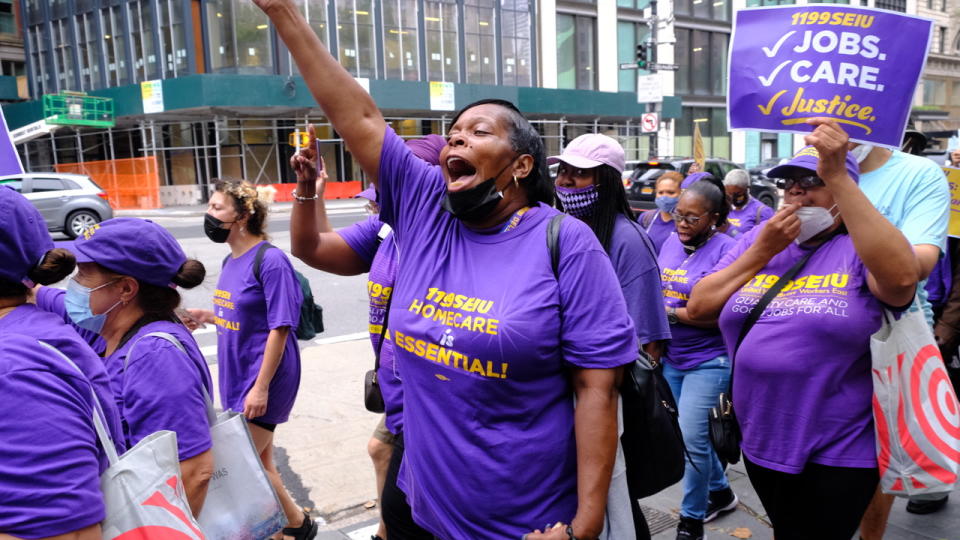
(24, 239)
(807, 158)
(132, 247)
(592, 150)
(369, 194)
(694, 177)
(428, 148)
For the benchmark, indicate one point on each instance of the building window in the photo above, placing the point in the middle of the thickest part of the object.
(478, 31)
(401, 56)
(633, 4)
(576, 52)
(701, 56)
(758, 3)
(515, 42)
(440, 18)
(934, 92)
(892, 5)
(356, 38)
(173, 39)
(89, 51)
(239, 38)
(111, 21)
(43, 79)
(713, 131)
(629, 34)
(145, 63)
(8, 23)
(315, 12)
(63, 57)
(715, 10)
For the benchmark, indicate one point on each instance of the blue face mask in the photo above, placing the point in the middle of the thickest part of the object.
(667, 204)
(77, 301)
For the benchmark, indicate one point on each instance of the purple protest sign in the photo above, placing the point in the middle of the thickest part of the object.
(859, 66)
(9, 159)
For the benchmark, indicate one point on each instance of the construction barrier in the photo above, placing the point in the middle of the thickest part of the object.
(130, 183)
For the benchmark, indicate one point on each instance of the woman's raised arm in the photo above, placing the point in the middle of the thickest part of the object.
(349, 107)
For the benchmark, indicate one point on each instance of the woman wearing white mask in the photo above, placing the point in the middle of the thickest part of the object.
(802, 387)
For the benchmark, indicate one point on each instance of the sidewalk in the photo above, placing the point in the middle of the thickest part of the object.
(322, 454)
(334, 206)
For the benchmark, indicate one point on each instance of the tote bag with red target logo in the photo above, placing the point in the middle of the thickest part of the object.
(915, 409)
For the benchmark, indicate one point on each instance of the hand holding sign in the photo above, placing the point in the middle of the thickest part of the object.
(858, 66)
(831, 141)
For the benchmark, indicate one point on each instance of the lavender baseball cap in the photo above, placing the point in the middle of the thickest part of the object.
(592, 150)
(807, 158)
(24, 239)
(132, 247)
(370, 194)
(694, 177)
(428, 148)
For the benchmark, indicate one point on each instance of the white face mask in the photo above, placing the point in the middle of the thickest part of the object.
(813, 221)
(861, 152)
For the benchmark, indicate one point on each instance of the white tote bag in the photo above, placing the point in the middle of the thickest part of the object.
(241, 503)
(915, 409)
(142, 490)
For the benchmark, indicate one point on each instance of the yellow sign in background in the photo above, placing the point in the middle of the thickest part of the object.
(953, 177)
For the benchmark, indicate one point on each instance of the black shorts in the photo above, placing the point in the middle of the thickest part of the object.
(267, 426)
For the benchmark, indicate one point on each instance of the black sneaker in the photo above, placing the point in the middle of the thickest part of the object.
(720, 502)
(926, 507)
(690, 529)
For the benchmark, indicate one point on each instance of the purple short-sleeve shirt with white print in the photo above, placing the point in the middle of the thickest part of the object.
(49, 475)
(743, 220)
(680, 271)
(484, 336)
(803, 389)
(160, 388)
(245, 312)
(381, 254)
(47, 326)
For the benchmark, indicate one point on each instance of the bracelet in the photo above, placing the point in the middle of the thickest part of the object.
(300, 199)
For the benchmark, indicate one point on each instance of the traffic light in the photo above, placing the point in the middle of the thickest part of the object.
(643, 55)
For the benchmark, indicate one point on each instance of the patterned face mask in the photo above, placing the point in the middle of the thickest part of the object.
(578, 202)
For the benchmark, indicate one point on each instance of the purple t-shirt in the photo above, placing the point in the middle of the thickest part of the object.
(32, 321)
(161, 388)
(245, 312)
(657, 229)
(634, 260)
(680, 271)
(940, 281)
(802, 389)
(485, 338)
(752, 214)
(381, 254)
(49, 473)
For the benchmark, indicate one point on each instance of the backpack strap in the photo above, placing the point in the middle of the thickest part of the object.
(553, 242)
(258, 260)
(759, 211)
(646, 219)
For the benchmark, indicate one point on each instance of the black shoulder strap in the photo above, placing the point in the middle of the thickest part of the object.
(771, 293)
(258, 260)
(759, 212)
(553, 242)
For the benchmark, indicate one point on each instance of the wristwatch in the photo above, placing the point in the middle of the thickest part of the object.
(672, 316)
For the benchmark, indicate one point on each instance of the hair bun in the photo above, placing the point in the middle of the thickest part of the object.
(57, 264)
(191, 274)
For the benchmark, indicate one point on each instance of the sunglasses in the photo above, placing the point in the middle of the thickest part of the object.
(692, 220)
(805, 182)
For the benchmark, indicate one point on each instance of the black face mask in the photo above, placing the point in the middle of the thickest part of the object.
(739, 201)
(214, 230)
(476, 203)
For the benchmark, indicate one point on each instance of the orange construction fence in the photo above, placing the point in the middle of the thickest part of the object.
(333, 190)
(130, 184)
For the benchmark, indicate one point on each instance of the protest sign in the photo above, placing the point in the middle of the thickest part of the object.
(9, 159)
(953, 177)
(856, 65)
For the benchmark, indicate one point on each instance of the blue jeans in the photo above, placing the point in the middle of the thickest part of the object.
(696, 391)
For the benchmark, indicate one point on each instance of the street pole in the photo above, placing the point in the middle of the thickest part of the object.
(652, 107)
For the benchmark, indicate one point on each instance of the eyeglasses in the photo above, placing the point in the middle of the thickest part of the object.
(692, 220)
(805, 182)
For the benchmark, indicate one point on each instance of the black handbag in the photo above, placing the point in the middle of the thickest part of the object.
(724, 430)
(372, 396)
(652, 442)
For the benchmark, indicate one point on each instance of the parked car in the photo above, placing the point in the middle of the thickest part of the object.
(69, 203)
(641, 189)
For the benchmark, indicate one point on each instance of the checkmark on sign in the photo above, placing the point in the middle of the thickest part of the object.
(769, 108)
(776, 47)
(767, 81)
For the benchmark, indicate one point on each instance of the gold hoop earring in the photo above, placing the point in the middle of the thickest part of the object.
(515, 181)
